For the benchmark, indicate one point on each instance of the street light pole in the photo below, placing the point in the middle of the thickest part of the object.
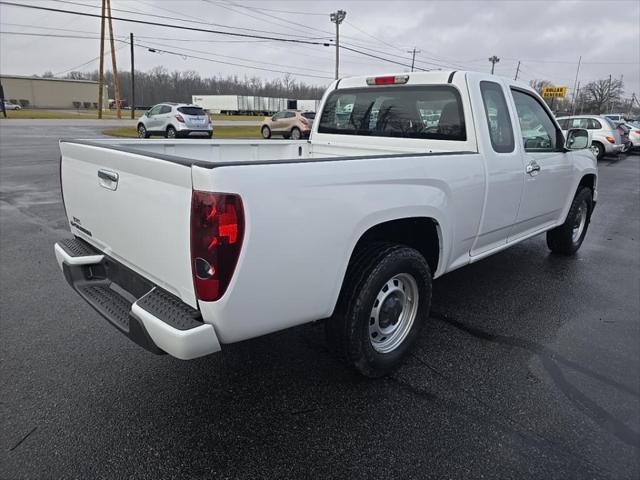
(493, 61)
(337, 18)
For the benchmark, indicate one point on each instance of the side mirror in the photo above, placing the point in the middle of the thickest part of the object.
(577, 139)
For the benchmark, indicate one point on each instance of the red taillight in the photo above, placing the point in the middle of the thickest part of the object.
(180, 118)
(390, 80)
(611, 140)
(217, 230)
(637, 132)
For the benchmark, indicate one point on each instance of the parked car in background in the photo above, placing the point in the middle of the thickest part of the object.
(623, 130)
(173, 120)
(605, 139)
(11, 106)
(634, 136)
(293, 124)
(615, 117)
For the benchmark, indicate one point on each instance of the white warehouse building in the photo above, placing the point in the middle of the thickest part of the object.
(251, 104)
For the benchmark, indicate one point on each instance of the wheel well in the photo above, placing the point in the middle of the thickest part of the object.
(589, 181)
(420, 233)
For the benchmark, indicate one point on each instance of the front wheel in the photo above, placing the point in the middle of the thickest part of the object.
(266, 132)
(142, 132)
(384, 302)
(568, 237)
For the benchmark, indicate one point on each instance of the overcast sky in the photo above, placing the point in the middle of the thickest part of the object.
(546, 36)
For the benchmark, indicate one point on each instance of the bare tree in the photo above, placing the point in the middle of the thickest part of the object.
(600, 94)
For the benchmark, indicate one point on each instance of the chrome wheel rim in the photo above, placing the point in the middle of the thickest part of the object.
(394, 313)
(594, 149)
(141, 132)
(265, 132)
(580, 222)
(295, 135)
(171, 133)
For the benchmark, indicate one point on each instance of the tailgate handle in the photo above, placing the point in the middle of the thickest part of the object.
(108, 180)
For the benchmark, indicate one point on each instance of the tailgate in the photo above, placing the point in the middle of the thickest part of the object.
(134, 208)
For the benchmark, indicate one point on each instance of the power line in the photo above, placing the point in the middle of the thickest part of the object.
(158, 24)
(372, 36)
(184, 55)
(380, 58)
(189, 19)
(87, 63)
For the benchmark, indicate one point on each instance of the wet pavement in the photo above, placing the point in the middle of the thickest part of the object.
(528, 368)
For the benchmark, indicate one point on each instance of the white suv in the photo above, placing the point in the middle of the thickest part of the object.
(173, 120)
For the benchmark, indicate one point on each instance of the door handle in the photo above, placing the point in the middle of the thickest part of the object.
(108, 179)
(533, 168)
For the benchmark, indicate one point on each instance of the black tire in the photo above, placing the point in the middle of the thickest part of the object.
(598, 149)
(565, 239)
(266, 132)
(296, 134)
(142, 131)
(171, 132)
(349, 329)
(209, 135)
(286, 136)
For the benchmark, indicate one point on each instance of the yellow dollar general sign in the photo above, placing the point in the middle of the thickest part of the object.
(554, 92)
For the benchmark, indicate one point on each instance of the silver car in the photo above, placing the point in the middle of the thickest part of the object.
(605, 139)
(173, 120)
(11, 106)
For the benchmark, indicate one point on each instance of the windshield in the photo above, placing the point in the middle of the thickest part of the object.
(191, 110)
(309, 115)
(411, 112)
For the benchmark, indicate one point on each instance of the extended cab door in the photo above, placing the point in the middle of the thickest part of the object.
(504, 174)
(547, 167)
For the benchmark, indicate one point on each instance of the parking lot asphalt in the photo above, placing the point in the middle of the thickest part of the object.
(528, 368)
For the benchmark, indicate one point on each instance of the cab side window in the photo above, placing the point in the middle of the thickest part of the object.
(539, 133)
(498, 119)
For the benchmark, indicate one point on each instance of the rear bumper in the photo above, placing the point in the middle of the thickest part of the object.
(148, 315)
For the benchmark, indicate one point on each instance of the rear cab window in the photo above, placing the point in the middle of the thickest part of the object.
(420, 112)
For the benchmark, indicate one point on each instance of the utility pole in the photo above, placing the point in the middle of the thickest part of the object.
(413, 57)
(133, 81)
(575, 83)
(576, 92)
(609, 94)
(493, 61)
(517, 71)
(116, 80)
(337, 18)
(101, 73)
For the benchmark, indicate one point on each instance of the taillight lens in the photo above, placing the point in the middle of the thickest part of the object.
(217, 231)
(388, 80)
(180, 118)
(611, 140)
(637, 132)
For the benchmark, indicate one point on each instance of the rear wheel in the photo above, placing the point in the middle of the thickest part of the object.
(384, 302)
(171, 132)
(296, 134)
(142, 131)
(568, 237)
(597, 149)
(266, 132)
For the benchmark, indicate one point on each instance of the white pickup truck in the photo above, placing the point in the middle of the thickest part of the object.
(187, 245)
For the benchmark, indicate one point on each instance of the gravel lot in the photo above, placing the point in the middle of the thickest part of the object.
(529, 367)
